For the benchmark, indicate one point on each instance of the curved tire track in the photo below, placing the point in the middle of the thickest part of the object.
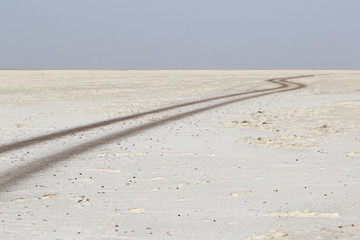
(25, 171)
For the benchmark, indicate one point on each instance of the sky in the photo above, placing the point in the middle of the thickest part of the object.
(180, 34)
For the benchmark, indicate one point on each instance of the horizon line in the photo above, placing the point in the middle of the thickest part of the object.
(170, 69)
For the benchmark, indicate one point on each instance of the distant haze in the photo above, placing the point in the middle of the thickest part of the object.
(183, 34)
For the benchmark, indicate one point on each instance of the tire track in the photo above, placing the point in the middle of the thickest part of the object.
(15, 175)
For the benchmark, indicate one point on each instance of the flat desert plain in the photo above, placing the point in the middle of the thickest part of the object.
(180, 154)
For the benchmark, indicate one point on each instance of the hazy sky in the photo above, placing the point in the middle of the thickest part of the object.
(180, 34)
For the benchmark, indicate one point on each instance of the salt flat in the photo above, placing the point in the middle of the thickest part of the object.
(180, 154)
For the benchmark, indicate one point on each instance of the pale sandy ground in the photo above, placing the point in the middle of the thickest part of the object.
(280, 166)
